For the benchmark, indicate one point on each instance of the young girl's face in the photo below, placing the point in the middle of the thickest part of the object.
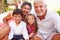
(31, 19)
(17, 18)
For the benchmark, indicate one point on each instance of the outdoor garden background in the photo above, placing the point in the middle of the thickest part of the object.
(8, 5)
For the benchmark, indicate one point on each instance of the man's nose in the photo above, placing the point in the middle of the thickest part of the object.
(39, 8)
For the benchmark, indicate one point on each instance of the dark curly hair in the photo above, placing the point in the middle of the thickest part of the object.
(26, 3)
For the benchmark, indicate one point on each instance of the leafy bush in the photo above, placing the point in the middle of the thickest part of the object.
(5, 4)
(9, 9)
(58, 12)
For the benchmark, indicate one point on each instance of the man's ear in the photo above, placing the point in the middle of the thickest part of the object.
(45, 5)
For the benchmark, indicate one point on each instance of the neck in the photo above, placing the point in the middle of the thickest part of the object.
(31, 24)
(17, 23)
(24, 16)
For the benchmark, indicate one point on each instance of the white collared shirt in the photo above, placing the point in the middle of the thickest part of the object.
(49, 24)
(18, 30)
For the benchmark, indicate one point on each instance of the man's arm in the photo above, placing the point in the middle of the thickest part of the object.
(57, 22)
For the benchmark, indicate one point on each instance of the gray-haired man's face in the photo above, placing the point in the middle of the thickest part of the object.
(40, 8)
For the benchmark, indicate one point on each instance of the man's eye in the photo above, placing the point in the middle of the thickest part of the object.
(41, 6)
(36, 7)
(28, 9)
(24, 8)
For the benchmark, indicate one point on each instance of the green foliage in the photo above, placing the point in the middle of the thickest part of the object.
(9, 9)
(5, 4)
(58, 12)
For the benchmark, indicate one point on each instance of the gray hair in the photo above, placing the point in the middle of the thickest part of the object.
(41, 1)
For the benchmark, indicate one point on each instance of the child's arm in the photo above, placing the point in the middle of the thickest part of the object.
(31, 34)
(11, 32)
(25, 33)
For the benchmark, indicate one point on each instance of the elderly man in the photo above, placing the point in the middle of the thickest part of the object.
(48, 22)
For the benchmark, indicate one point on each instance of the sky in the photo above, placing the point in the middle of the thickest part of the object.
(53, 4)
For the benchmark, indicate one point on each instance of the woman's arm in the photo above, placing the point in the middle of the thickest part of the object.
(4, 31)
(7, 18)
(25, 33)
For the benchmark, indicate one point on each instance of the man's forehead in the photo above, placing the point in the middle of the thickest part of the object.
(40, 1)
(37, 0)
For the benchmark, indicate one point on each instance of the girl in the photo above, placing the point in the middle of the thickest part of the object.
(31, 25)
(18, 27)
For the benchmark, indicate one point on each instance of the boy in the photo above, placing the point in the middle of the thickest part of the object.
(18, 27)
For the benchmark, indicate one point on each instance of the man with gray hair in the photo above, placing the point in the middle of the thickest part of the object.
(48, 22)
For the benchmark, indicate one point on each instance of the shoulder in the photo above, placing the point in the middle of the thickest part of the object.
(11, 23)
(52, 13)
(23, 23)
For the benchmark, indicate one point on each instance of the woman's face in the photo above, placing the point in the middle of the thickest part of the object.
(25, 9)
(30, 19)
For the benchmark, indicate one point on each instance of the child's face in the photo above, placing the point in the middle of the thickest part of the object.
(30, 20)
(17, 17)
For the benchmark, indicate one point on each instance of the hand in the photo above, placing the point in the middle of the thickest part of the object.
(31, 34)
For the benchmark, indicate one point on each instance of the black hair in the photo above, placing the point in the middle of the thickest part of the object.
(17, 11)
(26, 3)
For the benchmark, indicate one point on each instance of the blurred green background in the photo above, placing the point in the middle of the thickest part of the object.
(8, 5)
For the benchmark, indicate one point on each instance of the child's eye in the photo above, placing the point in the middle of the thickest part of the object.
(28, 19)
(32, 18)
(19, 16)
(15, 16)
